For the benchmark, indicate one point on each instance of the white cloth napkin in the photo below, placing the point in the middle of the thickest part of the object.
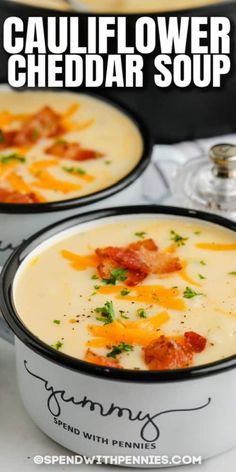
(167, 158)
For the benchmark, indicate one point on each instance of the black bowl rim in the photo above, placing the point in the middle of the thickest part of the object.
(50, 11)
(57, 357)
(123, 183)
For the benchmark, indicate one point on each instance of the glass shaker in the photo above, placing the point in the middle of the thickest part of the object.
(205, 183)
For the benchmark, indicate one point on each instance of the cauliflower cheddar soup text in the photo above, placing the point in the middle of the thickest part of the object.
(148, 293)
(57, 146)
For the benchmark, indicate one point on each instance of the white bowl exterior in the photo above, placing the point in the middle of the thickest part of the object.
(15, 228)
(205, 428)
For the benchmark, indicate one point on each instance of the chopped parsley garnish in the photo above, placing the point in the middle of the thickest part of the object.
(202, 277)
(35, 134)
(124, 292)
(117, 350)
(197, 233)
(57, 322)
(141, 313)
(190, 293)
(107, 163)
(94, 277)
(58, 345)
(96, 287)
(141, 234)
(60, 141)
(232, 273)
(12, 157)
(1, 136)
(179, 240)
(117, 275)
(125, 317)
(203, 263)
(107, 312)
(74, 170)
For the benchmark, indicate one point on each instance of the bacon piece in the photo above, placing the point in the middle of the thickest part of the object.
(6, 139)
(196, 341)
(165, 264)
(126, 258)
(135, 278)
(147, 244)
(93, 358)
(114, 258)
(44, 124)
(87, 154)
(8, 196)
(160, 263)
(72, 151)
(140, 259)
(105, 266)
(164, 353)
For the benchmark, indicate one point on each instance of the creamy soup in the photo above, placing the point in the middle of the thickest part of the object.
(122, 6)
(56, 146)
(139, 6)
(52, 4)
(140, 293)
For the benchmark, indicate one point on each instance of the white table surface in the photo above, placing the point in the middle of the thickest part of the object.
(21, 440)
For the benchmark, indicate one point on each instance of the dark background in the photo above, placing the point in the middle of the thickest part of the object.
(171, 114)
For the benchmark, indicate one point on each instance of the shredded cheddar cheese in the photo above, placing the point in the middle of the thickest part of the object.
(186, 277)
(166, 297)
(136, 333)
(216, 246)
(80, 262)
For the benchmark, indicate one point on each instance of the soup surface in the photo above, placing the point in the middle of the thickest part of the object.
(161, 297)
(52, 4)
(139, 6)
(122, 6)
(57, 146)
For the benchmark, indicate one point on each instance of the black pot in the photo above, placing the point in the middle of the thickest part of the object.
(172, 114)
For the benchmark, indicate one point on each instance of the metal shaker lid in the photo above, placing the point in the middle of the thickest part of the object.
(224, 159)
